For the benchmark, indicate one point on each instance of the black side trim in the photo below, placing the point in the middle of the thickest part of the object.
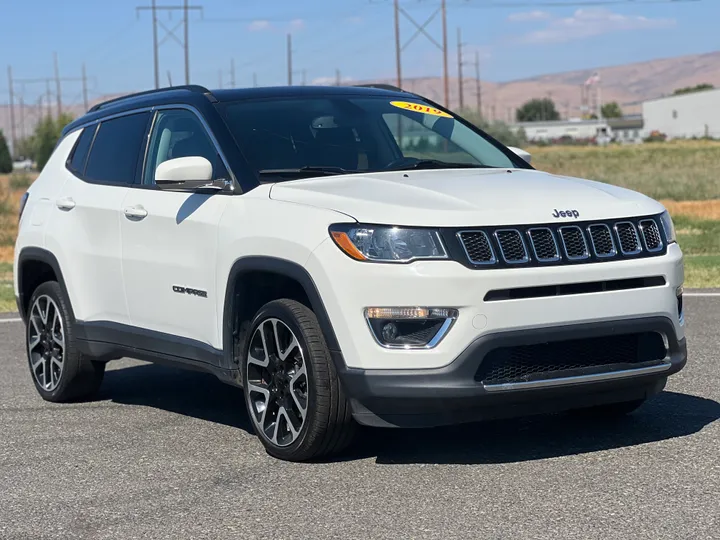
(40, 255)
(285, 268)
(574, 288)
(131, 338)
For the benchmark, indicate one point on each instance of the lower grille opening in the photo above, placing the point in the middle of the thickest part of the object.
(574, 288)
(526, 363)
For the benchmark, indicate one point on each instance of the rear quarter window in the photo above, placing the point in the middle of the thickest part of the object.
(78, 157)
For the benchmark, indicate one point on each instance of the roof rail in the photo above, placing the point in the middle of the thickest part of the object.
(381, 87)
(190, 87)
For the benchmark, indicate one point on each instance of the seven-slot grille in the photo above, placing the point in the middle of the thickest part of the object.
(558, 244)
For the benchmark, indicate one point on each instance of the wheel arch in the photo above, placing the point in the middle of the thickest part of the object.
(284, 269)
(35, 266)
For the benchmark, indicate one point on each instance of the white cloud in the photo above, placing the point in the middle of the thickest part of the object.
(259, 25)
(355, 20)
(297, 24)
(524, 16)
(585, 23)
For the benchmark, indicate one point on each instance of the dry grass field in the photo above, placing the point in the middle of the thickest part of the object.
(685, 176)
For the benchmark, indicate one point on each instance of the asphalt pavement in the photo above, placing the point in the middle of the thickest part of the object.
(164, 453)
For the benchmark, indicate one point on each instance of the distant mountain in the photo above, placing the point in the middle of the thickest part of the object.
(628, 84)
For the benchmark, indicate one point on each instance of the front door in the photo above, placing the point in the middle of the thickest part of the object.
(169, 238)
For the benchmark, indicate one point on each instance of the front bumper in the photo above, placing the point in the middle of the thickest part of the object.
(451, 395)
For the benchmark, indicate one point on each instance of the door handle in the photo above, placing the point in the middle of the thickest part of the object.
(135, 212)
(66, 203)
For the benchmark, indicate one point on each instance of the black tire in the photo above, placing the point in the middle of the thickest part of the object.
(610, 410)
(328, 426)
(79, 377)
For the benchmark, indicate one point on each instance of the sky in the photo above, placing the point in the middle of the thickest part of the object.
(515, 39)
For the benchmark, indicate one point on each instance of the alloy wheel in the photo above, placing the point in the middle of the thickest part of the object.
(277, 382)
(46, 342)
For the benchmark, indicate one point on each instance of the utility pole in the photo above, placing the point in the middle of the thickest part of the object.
(155, 45)
(460, 69)
(398, 49)
(338, 80)
(12, 111)
(446, 81)
(478, 89)
(232, 73)
(170, 33)
(57, 86)
(169, 76)
(22, 120)
(187, 42)
(254, 80)
(47, 98)
(289, 59)
(84, 90)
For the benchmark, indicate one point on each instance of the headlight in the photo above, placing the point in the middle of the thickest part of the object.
(668, 227)
(388, 244)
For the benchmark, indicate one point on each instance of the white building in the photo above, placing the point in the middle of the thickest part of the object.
(553, 130)
(688, 115)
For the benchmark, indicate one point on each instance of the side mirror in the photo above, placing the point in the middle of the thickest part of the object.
(522, 153)
(185, 173)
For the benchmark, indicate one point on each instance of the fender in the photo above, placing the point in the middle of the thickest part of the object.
(288, 269)
(40, 255)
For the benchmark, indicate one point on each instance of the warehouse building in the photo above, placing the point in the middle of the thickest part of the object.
(685, 116)
(549, 131)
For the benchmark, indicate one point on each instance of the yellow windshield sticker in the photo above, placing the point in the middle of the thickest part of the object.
(417, 107)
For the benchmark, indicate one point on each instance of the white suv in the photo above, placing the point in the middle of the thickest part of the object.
(346, 255)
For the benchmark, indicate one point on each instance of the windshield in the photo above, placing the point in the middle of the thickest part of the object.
(288, 138)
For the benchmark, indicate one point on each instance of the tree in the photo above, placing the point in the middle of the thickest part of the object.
(691, 89)
(498, 130)
(47, 134)
(6, 165)
(537, 110)
(26, 148)
(611, 110)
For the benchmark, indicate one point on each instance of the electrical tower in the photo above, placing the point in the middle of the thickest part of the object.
(170, 33)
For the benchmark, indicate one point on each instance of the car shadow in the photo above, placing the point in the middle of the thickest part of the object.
(666, 416)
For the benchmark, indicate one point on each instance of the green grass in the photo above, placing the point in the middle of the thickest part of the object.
(702, 271)
(700, 242)
(679, 170)
(7, 295)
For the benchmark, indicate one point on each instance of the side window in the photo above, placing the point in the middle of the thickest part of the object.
(116, 149)
(78, 157)
(179, 133)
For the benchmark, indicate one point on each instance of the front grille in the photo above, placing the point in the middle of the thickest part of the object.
(477, 247)
(544, 245)
(525, 363)
(573, 242)
(651, 235)
(602, 241)
(512, 246)
(560, 243)
(628, 237)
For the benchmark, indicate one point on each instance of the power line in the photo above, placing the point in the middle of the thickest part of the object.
(170, 33)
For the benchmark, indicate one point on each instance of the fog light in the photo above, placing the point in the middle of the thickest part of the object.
(409, 327)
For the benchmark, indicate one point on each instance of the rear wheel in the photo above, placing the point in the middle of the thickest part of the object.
(294, 399)
(611, 410)
(60, 372)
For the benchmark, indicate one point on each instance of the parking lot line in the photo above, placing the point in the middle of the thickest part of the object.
(17, 319)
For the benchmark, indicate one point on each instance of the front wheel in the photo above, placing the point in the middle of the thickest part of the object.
(292, 392)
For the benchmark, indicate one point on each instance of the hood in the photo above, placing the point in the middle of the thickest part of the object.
(465, 197)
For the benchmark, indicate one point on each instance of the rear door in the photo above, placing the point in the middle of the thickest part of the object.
(169, 238)
(85, 226)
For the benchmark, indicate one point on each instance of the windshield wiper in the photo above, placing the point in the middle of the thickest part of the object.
(308, 170)
(436, 164)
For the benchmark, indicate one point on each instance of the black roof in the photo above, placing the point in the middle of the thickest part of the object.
(199, 95)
